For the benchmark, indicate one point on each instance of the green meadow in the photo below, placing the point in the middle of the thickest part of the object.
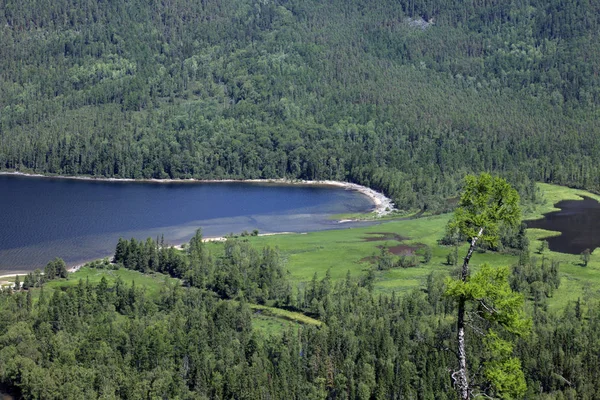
(152, 283)
(552, 194)
(272, 320)
(355, 251)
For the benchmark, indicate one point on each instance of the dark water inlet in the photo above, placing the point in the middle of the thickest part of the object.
(80, 220)
(5, 393)
(6, 396)
(578, 221)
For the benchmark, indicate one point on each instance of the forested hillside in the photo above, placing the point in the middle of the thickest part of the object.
(106, 340)
(404, 96)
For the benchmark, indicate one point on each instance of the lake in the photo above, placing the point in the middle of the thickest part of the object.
(81, 220)
(577, 220)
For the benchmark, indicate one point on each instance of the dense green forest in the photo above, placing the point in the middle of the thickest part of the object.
(196, 340)
(403, 96)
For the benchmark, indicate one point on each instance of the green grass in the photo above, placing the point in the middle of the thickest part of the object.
(576, 281)
(269, 319)
(343, 250)
(285, 315)
(269, 325)
(273, 321)
(151, 282)
(346, 250)
(552, 194)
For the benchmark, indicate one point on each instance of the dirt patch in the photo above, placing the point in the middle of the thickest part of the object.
(404, 249)
(382, 236)
(398, 249)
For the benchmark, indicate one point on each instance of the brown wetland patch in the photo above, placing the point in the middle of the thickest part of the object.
(398, 249)
(404, 249)
(382, 236)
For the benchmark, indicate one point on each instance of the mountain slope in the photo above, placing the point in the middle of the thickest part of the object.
(403, 96)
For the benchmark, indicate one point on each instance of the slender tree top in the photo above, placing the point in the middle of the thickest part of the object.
(486, 203)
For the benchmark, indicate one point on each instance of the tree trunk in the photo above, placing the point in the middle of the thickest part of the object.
(462, 376)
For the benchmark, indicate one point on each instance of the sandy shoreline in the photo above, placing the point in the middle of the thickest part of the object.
(383, 205)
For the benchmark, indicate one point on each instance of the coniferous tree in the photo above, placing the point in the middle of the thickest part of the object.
(486, 203)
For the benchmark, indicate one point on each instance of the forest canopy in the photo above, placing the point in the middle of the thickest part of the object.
(196, 338)
(403, 96)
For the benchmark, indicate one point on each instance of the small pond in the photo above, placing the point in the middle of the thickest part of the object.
(578, 221)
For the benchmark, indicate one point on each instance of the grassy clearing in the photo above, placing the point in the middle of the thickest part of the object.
(576, 281)
(346, 250)
(151, 282)
(273, 321)
(552, 194)
(284, 315)
(269, 325)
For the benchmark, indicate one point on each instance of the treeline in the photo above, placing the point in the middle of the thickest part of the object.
(55, 269)
(240, 272)
(341, 303)
(114, 341)
(338, 90)
(150, 256)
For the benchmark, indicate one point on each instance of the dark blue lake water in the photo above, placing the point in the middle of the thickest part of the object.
(577, 222)
(79, 220)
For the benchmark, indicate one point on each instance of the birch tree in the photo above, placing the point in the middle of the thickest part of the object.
(486, 203)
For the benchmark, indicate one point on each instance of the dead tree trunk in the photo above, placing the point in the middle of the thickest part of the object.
(461, 377)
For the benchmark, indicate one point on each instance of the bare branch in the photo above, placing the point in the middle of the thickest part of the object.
(489, 309)
(563, 378)
(476, 329)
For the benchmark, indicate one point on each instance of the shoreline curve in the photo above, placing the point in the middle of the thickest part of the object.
(383, 205)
